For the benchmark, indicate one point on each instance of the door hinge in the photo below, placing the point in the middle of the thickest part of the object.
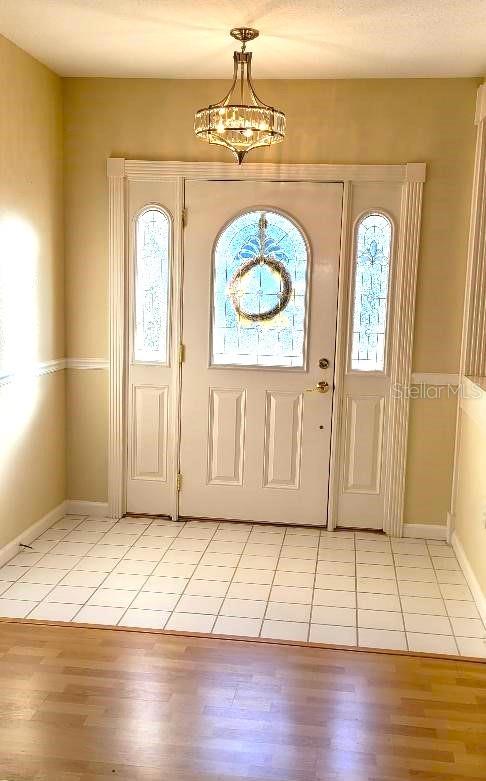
(184, 217)
(179, 481)
(182, 353)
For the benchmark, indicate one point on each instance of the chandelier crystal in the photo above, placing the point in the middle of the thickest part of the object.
(240, 121)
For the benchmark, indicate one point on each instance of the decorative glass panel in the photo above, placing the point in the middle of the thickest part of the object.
(151, 287)
(260, 292)
(373, 249)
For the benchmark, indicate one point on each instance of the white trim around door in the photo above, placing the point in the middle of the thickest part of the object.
(408, 178)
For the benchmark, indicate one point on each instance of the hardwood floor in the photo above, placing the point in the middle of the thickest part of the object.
(80, 704)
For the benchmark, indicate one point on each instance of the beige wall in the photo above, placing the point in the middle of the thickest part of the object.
(430, 457)
(32, 410)
(87, 434)
(361, 121)
(470, 506)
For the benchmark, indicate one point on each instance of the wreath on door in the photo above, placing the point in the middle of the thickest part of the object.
(276, 266)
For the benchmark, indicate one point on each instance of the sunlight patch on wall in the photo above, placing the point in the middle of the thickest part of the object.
(19, 326)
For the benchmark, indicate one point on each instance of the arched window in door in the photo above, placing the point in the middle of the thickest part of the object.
(260, 292)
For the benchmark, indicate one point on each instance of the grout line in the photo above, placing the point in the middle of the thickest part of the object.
(68, 572)
(116, 565)
(442, 596)
(84, 556)
(314, 582)
(271, 584)
(399, 597)
(155, 563)
(218, 615)
(356, 587)
(83, 519)
(182, 593)
(31, 566)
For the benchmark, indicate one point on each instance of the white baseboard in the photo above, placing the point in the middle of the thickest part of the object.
(471, 578)
(34, 530)
(450, 525)
(80, 507)
(425, 531)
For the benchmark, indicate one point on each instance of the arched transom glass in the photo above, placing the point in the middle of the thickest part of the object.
(371, 282)
(151, 287)
(260, 282)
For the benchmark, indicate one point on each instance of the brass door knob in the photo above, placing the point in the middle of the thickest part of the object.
(321, 387)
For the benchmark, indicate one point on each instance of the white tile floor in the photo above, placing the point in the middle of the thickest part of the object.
(256, 581)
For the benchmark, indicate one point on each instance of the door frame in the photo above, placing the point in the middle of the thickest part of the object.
(410, 176)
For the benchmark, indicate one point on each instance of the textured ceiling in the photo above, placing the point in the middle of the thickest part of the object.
(299, 38)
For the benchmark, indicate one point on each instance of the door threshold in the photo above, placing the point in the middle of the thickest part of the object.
(205, 519)
(278, 523)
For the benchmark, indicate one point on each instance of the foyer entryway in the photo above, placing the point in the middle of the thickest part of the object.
(254, 388)
(233, 292)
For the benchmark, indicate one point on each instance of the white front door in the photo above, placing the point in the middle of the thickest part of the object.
(259, 322)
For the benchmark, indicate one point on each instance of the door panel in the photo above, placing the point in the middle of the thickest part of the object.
(283, 439)
(366, 382)
(254, 444)
(151, 456)
(226, 436)
(364, 434)
(150, 432)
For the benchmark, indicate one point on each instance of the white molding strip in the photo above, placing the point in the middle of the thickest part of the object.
(116, 171)
(472, 581)
(56, 365)
(425, 531)
(87, 363)
(152, 170)
(81, 507)
(434, 378)
(37, 370)
(401, 354)
(337, 421)
(474, 336)
(480, 105)
(31, 533)
(473, 342)
(49, 367)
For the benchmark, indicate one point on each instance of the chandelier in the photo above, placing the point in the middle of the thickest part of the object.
(240, 121)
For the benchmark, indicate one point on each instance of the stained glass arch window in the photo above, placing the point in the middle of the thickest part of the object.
(260, 291)
(151, 287)
(373, 247)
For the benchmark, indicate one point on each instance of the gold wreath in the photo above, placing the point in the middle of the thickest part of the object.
(284, 294)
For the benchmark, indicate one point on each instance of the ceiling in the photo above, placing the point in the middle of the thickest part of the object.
(299, 38)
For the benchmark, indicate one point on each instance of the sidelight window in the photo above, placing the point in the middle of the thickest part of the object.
(152, 286)
(373, 243)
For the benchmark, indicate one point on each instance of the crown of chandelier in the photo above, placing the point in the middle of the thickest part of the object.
(240, 121)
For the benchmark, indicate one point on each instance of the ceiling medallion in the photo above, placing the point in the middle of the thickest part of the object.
(237, 285)
(240, 121)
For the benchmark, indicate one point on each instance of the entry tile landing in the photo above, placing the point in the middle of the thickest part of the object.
(249, 580)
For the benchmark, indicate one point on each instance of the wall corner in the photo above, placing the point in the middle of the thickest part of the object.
(480, 105)
(115, 167)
